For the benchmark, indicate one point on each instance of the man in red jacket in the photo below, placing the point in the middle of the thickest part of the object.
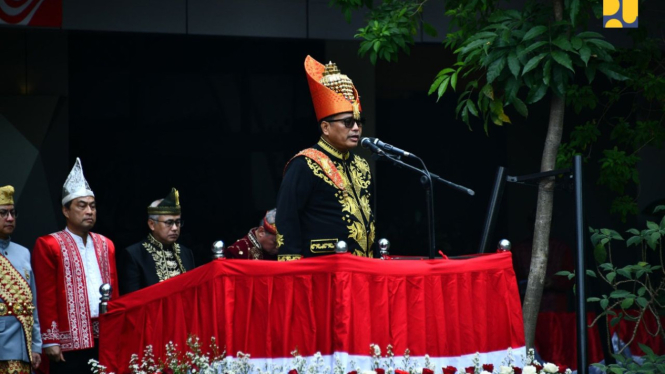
(260, 242)
(69, 267)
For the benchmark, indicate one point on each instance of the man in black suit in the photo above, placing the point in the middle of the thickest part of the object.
(158, 257)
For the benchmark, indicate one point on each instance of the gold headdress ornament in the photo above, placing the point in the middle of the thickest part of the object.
(170, 205)
(7, 195)
(332, 92)
(76, 186)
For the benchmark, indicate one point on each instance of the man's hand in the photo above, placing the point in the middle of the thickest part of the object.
(54, 353)
(36, 360)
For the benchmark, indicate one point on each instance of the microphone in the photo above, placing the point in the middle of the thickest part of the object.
(367, 144)
(389, 148)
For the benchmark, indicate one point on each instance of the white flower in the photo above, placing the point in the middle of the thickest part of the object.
(550, 368)
(485, 372)
(377, 350)
(369, 372)
(529, 369)
(506, 370)
(418, 370)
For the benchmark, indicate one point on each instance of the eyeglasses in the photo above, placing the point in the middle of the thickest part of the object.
(349, 121)
(171, 222)
(4, 213)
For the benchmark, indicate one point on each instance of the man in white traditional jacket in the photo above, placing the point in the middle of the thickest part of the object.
(20, 339)
(70, 266)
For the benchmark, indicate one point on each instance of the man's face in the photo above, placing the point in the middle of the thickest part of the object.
(7, 220)
(166, 229)
(338, 135)
(267, 240)
(82, 213)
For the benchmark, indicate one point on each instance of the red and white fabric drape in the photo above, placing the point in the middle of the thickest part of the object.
(449, 309)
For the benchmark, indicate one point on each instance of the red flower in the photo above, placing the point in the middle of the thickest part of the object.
(167, 371)
(427, 371)
(293, 371)
(449, 370)
(488, 367)
(517, 370)
(398, 371)
(353, 372)
(538, 368)
(380, 371)
(470, 370)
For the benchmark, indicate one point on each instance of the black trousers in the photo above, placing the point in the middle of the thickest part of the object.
(76, 361)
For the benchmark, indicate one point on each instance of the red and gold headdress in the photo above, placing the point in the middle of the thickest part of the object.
(332, 92)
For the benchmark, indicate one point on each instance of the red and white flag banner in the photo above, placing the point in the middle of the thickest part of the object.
(41, 13)
(337, 304)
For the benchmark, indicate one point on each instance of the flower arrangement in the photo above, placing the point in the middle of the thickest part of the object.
(195, 361)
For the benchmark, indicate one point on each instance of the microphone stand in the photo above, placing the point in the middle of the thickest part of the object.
(426, 180)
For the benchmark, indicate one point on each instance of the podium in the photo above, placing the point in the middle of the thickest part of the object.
(336, 304)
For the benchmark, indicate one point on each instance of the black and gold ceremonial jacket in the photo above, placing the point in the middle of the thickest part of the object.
(324, 198)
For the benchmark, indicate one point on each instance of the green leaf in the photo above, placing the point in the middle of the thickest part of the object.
(641, 291)
(534, 32)
(473, 45)
(495, 68)
(601, 44)
(610, 276)
(576, 42)
(604, 303)
(563, 59)
(585, 54)
(429, 29)
(536, 94)
(435, 85)
(619, 294)
(563, 43)
(442, 87)
(531, 48)
(593, 299)
(591, 273)
(514, 64)
(652, 225)
(563, 273)
(532, 63)
(445, 72)
(589, 34)
(607, 70)
(590, 73)
(472, 107)
(512, 87)
(642, 302)
(634, 240)
(574, 10)
(627, 303)
(547, 71)
(600, 254)
(520, 106)
(614, 322)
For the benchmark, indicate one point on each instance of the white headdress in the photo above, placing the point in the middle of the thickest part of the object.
(75, 186)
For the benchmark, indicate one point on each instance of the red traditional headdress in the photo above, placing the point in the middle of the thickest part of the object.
(332, 92)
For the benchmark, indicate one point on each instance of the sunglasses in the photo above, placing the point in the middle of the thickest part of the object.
(349, 121)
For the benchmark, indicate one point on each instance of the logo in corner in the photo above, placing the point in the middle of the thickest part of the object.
(619, 14)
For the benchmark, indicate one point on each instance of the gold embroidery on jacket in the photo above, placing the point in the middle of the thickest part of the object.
(354, 211)
(167, 261)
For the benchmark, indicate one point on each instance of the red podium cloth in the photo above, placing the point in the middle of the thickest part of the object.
(330, 304)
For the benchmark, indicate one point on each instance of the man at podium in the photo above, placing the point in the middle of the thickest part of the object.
(325, 195)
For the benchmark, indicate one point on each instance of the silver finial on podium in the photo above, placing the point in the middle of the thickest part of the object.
(341, 247)
(218, 249)
(384, 246)
(504, 245)
(105, 290)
